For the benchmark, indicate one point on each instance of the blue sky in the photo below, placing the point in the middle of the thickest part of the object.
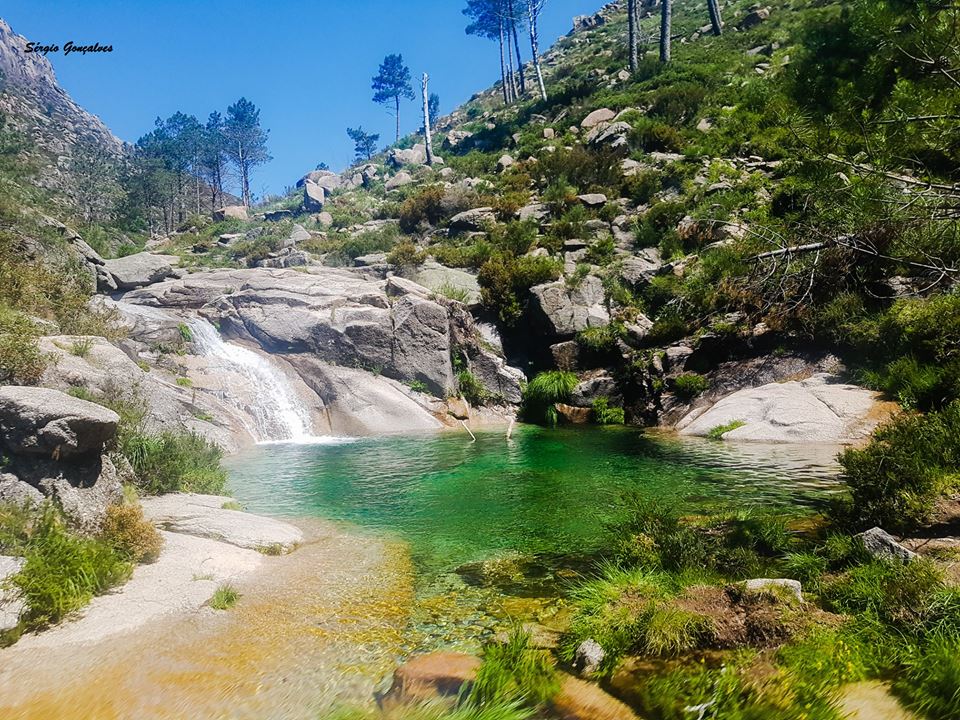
(307, 65)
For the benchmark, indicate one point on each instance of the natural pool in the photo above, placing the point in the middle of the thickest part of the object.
(543, 491)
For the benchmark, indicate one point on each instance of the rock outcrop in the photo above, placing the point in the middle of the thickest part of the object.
(338, 316)
(54, 444)
(812, 410)
(565, 311)
(134, 271)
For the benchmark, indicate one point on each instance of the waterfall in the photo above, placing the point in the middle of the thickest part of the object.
(277, 413)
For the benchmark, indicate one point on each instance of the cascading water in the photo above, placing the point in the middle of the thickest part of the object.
(277, 413)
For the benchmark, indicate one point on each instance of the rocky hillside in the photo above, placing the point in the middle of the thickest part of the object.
(63, 134)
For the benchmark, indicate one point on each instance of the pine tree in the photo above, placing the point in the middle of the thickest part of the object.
(364, 143)
(392, 83)
(247, 142)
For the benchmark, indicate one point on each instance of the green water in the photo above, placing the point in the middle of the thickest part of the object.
(541, 492)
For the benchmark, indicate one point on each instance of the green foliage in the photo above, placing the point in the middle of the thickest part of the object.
(545, 390)
(717, 433)
(364, 143)
(603, 414)
(440, 711)
(504, 281)
(21, 361)
(422, 210)
(406, 256)
(931, 679)
(81, 347)
(471, 389)
(895, 480)
(62, 572)
(224, 597)
(175, 462)
(690, 385)
(515, 672)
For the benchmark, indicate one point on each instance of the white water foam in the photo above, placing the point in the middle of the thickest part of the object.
(278, 415)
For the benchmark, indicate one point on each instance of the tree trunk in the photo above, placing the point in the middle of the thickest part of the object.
(632, 33)
(516, 47)
(714, 7)
(507, 85)
(666, 11)
(535, 46)
(426, 119)
(397, 108)
(511, 73)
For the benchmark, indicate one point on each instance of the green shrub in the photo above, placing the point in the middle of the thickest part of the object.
(422, 209)
(175, 462)
(81, 347)
(505, 281)
(895, 480)
(62, 572)
(544, 391)
(406, 256)
(471, 389)
(515, 672)
(224, 597)
(603, 414)
(21, 361)
(930, 682)
(130, 534)
(690, 385)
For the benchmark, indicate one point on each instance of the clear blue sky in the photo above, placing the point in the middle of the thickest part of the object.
(307, 65)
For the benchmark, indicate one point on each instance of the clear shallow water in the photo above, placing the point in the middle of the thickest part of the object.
(542, 492)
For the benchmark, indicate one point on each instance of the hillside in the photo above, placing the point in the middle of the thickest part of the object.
(740, 258)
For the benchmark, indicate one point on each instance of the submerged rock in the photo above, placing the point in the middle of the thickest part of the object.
(428, 677)
(580, 700)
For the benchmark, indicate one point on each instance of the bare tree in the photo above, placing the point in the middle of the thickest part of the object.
(426, 117)
(534, 8)
(632, 33)
(666, 12)
(516, 47)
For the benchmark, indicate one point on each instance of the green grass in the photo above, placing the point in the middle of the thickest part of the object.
(81, 348)
(63, 572)
(546, 389)
(930, 683)
(717, 433)
(515, 672)
(438, 711)
(224, 597)
(175, 462)
(690, 385)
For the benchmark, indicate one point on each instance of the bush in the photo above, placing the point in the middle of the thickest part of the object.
(544, 391)
(62, 572)
(424, 208)
(603, 414)
(406, 256)
(504, 281)
(175, 462)
(471, 389)
(930, 683)
(21, 361)
(515, 672)
(896, 479)
(130, 534)
(690, 385)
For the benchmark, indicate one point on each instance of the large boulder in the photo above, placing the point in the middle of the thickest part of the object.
(51, 424)
(475, 220)
(314, 197)
(603, 115)
(614, 136)
(640, 269)
(329, 181)
(399, 180)
(565, 311)
(813, 410)
(440, 278)
(134, 271)
(417, 155)
(339, 315)
(231, 212)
